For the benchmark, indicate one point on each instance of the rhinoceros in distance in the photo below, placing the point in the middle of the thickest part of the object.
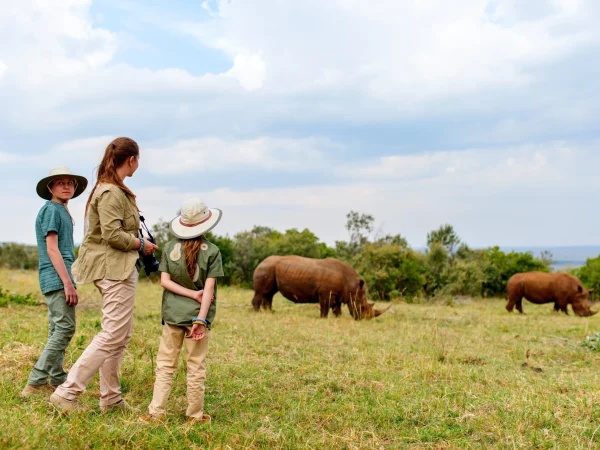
(539, 287)
(328, 282)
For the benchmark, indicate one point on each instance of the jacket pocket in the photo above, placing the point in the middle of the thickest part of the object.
(130, 223)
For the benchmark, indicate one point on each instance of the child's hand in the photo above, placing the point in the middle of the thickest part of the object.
(198, 296)
(198, 331)
(71, 295)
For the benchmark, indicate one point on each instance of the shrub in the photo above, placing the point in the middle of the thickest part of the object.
(590, 274)
(390, 270)
(18, 256)
(501, 266)
(592, 342)
(18, 299)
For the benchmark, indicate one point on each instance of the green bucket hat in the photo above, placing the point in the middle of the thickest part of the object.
(58, 172)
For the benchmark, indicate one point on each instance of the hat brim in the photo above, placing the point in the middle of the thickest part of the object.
(186, 232)
(43, 191)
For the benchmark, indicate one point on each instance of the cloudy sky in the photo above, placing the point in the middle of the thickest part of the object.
(478, 113)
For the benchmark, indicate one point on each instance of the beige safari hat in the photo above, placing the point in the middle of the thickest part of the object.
(195, 219)
(57, 172)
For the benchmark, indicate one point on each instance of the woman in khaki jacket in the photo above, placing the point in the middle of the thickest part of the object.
(107, 258)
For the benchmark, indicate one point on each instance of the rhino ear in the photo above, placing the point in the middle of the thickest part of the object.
(362, 283)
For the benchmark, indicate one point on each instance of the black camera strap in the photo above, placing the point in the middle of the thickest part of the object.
(143, 226)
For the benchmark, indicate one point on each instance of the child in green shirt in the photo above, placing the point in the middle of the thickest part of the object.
(190, 266)
(54, 234)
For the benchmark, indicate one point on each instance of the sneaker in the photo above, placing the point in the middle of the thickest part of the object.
(121, 405)
(62, 404)
(204, 419)
(152, 418)
(34, 389)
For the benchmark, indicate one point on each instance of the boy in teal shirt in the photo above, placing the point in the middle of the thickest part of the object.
(54, 234)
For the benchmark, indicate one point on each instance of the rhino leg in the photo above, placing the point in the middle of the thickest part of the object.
(324, 309)
(264, 300)
(519, 305)
(512, 301)
(561, 304)
(337, 309)
(256, 301)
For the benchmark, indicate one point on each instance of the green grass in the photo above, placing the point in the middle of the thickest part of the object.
(429, 376)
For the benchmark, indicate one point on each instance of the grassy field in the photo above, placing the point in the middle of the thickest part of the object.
(431, 376)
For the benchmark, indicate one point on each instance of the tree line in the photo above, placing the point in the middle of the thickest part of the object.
(389, 266)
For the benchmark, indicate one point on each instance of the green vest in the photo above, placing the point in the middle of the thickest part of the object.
(179, 310)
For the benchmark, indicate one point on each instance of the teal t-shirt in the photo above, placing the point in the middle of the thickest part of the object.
(54, 217)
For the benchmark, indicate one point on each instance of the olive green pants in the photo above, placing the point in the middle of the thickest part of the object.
(61, 328)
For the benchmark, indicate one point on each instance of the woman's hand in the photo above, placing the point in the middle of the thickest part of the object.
(198, 331)
(149, 247)
(71, 297)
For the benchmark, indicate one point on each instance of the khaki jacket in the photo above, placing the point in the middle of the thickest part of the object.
(112, 225)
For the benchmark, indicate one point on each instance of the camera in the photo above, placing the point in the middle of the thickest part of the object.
(149, 261)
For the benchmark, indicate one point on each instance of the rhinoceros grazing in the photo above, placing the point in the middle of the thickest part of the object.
(539, 287)
(328, 282)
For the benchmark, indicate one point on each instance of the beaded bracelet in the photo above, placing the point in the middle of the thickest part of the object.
(197, 320)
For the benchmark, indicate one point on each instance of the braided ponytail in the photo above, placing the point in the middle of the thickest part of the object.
(115, 155)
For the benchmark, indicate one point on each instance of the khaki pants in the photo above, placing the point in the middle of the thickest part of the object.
(167, 359)
(105, 352)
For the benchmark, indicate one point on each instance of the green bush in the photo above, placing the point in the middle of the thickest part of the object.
(390, 270)
(592, 342)
(18, 256)
(250, 248)
(501, 266)
(590, 274)
(18, 299)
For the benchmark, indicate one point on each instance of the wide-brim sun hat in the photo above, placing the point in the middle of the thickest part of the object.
(59, 172)
(195, 219)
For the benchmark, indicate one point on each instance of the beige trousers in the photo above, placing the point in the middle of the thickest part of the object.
(167, 359)
(105, 352)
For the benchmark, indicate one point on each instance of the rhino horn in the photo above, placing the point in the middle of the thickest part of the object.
(378, 312)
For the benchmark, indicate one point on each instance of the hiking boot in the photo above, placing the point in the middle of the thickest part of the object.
(62, 404)
(121, 406)
(152, 418)
(201, 420)
(34, 389)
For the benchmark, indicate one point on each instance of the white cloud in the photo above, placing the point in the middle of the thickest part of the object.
(293, 61)
(249, 70)
(262, 153)
(397, 51)
(522, 165)
(85, 150)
